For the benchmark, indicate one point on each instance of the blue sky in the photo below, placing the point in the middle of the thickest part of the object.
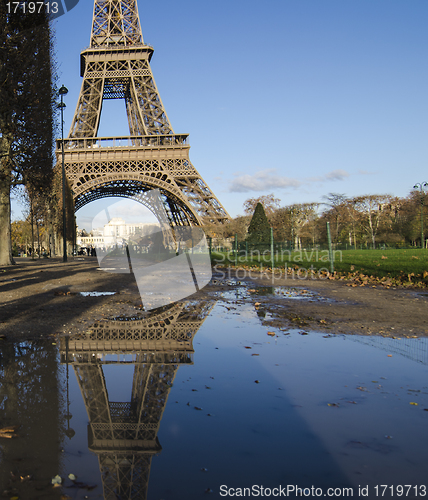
(298, 98)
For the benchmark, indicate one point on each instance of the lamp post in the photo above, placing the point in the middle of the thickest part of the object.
(62, 92)
(421, 185)
(294, 211)
(69, 432)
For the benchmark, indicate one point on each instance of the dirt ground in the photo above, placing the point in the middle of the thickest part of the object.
(42, 297)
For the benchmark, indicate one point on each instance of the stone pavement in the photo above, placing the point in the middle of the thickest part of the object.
(42, 297)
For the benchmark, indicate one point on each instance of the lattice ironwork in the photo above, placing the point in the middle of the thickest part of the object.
(162, 336)
(117, 66)
(124, 434)
(125, 476)
(115, 22)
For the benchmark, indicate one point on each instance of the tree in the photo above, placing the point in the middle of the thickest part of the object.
(353, 218)
(337, 212)
(269, 202)
(407, 216)
(26, 117)
(302, 219)
(373, 209)
(239, 226)
(259, 228)
(280, 222)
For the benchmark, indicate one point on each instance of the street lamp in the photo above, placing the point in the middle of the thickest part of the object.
(69, 432)
(62, 92)
(421, 185)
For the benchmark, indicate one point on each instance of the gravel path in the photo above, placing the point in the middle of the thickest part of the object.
(42, 298)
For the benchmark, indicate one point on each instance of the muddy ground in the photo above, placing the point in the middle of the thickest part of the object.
(42, 297)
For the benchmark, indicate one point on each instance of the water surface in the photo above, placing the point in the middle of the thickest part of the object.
(199, 397)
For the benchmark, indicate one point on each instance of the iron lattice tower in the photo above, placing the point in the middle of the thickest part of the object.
(124, 433)
(117, 66)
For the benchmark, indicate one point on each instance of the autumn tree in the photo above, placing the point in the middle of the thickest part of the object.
(239, 226)
(269, 202)
(26, 116)
(419, 201)
(302, 218)
(337, 212)
(407, 218)
(280, 222)
(374, 210)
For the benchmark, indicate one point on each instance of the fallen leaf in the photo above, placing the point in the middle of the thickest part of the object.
(9, 432)
(25, 478)
(257, 381)
(57, 480)
(414, 404)
(271, 334)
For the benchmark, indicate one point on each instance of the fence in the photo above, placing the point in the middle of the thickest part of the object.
(232, 251)
(270, 253)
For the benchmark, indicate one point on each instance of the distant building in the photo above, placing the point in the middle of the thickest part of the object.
(116, 232)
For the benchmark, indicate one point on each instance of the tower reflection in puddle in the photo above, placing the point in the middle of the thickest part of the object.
(124, 433)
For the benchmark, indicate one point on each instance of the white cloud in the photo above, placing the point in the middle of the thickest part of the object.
(263, 180)
(337, 175)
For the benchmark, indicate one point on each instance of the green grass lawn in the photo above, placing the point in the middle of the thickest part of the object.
(393, 263)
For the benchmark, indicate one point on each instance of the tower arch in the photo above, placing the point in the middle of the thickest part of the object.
(117, 66)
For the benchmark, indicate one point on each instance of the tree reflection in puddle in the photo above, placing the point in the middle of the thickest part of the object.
(29, 399)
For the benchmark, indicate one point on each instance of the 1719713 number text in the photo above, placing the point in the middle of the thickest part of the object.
(32, 7)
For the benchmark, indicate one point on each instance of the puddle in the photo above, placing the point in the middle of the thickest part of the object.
(299, 294)
(96, 294)
(196, 397)
(113, 269)
(283, 292)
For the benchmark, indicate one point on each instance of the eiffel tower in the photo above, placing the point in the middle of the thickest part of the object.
(117, 66)
(124, 434)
